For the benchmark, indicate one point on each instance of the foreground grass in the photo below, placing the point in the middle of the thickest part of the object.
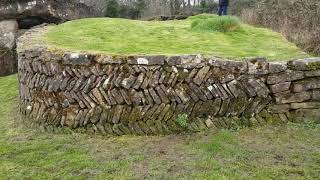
(130, 37)
(285, 152)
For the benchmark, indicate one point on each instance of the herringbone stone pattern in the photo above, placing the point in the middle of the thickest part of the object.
(144, 95)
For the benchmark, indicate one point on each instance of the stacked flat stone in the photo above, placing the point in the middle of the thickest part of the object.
(144, 95)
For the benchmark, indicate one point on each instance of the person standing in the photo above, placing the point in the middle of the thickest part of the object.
(223, 7)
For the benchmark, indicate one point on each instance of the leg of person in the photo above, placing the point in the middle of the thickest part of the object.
(225, 10)
(220, 10)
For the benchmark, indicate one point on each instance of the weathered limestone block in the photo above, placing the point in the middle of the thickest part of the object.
(173, 60)
(315, 73)
(105, 59)
(252, 108)
(232, 66)
(306, 85)
(277, 67)
(284, 77)
(201, 75)
(292, 98)
(316, 95)
(281, 87)
(260, 88)
(192, 61)
(282, 108)
(236, 89)
(281, 93)
(305, 105)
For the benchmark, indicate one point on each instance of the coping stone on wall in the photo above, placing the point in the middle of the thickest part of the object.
(305, 64)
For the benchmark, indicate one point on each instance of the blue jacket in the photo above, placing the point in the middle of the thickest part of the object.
(223, 2)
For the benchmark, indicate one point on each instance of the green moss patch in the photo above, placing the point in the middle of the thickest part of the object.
(132, 37)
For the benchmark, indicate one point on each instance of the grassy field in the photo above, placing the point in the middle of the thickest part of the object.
(285, 152)
(131, 37)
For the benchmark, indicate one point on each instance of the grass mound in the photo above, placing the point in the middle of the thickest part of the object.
(132, 37)
(216, 23)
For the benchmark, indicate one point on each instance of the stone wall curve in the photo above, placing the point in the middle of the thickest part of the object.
(147, 95)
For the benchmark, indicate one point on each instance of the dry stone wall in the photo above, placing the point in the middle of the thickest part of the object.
(147, 95)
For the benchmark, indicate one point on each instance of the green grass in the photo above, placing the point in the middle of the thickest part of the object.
(132, 37)
(182, 120)
(26, 154)
(215, 24)
(283, 152)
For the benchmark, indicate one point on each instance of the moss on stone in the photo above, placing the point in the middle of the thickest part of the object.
(135, 114)
(193, 127)
(117, 130)
(124, 129)
(313, 66)
(159, 127)
(200, 124)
